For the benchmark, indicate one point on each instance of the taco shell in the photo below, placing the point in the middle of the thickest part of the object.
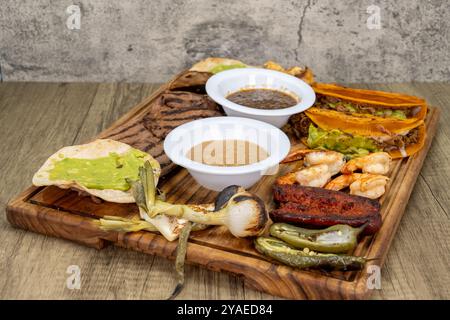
(367, 124)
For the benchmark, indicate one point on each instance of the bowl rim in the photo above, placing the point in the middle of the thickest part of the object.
(306, 100)
(271, 161)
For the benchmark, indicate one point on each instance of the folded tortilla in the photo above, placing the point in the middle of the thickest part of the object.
(213, 64)
(195, 78)
(365, 112)
(353, 145)
(97, 149)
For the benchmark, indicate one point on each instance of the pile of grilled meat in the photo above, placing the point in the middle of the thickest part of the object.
(172, 108)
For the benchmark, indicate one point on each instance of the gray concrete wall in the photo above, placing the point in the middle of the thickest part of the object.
(148, 41)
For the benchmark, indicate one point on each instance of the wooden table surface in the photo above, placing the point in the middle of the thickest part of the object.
(36, 119)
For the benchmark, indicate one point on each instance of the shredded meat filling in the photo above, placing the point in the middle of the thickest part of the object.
(333, 103)
(400, 141)
(300, 122)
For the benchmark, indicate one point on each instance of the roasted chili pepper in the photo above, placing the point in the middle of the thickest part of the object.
(335, 239)
(284, 253)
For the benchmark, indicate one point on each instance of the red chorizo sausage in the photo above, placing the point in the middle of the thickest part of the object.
(319, 208)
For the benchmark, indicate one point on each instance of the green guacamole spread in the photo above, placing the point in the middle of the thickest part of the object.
(101, 173)
(223, 67)
(336, 140)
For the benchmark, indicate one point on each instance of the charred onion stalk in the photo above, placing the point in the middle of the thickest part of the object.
(244, 214)
(284, 253)
(148, 185)
(144, 193)
(169, 227)
(119, 224)
(134, 224)
(180, 258)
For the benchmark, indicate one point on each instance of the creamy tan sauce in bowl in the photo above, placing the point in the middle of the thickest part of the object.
(227, 153)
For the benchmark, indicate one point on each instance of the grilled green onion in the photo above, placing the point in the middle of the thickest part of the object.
(180, 258)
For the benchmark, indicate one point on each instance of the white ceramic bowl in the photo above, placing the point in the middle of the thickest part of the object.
(181, 139)
(226, 82)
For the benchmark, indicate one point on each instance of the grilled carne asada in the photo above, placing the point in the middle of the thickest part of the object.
(318, 208)
(171, 109)
(176, 108)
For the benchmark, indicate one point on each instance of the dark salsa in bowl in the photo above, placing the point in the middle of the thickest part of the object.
(267, 99)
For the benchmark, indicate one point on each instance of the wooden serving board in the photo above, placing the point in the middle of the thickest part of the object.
(62, 213)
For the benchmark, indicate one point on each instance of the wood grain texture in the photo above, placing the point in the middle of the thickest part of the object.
(114, 273)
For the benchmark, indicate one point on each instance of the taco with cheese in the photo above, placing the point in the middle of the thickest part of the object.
(365, 112)
(398, 145)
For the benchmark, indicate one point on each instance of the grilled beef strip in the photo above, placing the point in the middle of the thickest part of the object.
(174, 109)
(170, 109)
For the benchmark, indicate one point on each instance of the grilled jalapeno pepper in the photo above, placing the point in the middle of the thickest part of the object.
(284, 253)
(335, 239)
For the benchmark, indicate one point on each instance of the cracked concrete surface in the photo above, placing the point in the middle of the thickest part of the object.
(306, 6)
(149, 41)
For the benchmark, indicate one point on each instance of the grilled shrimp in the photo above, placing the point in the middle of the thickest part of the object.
(333, 159)
(320, 166)
(375, 163)
(289, 178)
(297, 155)
(315, 176)
(366, 185)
